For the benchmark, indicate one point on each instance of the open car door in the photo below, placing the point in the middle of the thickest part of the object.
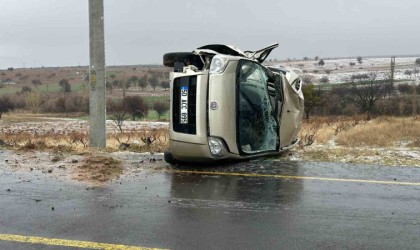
(262, 54)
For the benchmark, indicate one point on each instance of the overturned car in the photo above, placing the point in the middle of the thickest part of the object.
(226, 105)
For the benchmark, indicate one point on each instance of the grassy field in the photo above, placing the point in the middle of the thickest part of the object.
(8, 90)
(44, 88)
(153, 99)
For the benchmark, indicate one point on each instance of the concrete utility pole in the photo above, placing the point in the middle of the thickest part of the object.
(97, 133)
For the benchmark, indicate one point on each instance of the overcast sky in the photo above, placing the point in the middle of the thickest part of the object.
(56, 32)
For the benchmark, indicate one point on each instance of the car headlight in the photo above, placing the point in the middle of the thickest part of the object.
(218, 64)
(217, 147)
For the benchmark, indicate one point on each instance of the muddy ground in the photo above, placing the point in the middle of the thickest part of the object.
(95, 168)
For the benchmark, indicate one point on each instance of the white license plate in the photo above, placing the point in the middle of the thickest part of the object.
(184, 105)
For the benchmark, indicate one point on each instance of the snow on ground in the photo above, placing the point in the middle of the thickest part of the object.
(330, 152)
(67, 126)
(340, 70)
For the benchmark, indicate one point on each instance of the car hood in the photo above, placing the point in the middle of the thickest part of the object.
(258, 55)
(223, 49)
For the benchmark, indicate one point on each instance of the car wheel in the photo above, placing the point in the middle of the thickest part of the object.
(169, 158)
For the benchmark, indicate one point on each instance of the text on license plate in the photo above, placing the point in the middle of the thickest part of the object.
(184, 105)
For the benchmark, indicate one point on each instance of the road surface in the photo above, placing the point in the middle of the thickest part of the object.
(260, 204)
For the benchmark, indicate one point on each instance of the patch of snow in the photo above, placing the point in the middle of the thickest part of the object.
(331, 143)
(68, 126)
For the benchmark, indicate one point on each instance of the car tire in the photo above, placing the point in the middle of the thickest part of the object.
(167, 155)
(169, 59)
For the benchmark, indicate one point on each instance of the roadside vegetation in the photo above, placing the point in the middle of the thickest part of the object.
(382, 140)
(43, 133)
(140, 91)
(358, 132)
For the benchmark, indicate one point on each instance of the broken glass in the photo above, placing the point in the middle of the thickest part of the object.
(256, 123)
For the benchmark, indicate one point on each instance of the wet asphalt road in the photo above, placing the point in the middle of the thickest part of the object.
(249, 206)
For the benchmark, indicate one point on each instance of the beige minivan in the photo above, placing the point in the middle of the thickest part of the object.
(226, 105)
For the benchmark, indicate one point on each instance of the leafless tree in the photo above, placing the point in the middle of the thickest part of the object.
(367, 91)
(119, 119)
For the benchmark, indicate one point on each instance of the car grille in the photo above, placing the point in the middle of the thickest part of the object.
(191, 83)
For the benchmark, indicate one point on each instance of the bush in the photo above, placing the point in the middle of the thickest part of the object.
(405, 88)
(308, 78)
(161, 108)
(25, 89)
(135, 106)
(78, 103)
(6, 105)
(66, 104)
(113, 106)
(34, 101)
(324, 79)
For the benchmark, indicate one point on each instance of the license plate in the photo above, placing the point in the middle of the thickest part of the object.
(184, 105)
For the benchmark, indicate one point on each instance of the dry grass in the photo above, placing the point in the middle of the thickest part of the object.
(17, 117)
(323, 129)
(355, 131)
(309, 132)
(382, 132)
(385, 141)
(318, 128)
(145, 140)
(150, 140)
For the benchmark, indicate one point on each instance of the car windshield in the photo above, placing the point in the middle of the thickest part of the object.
(257, 127)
